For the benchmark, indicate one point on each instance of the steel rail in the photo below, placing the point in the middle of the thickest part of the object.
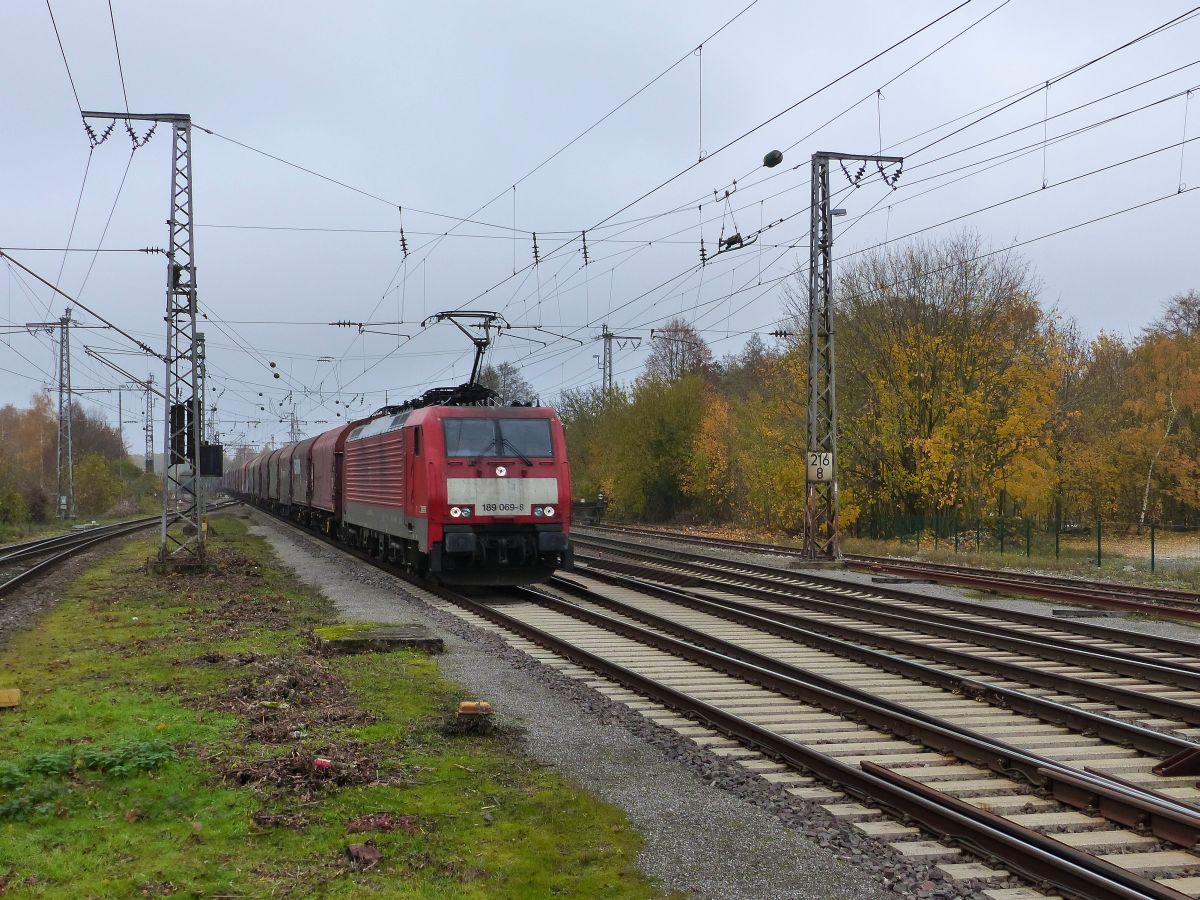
(1104, 587)
(1020, 849)
(1167, 818)
(1067, 684)
(50, 563)
(1115, 661)
(75, 547)
(1014, 584)
(840, 641)
(1065, 589)
(16, 552)
(773, 575)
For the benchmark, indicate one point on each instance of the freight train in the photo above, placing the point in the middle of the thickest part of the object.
(449, 485)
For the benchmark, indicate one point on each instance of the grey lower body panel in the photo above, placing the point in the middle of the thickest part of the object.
(388, 520)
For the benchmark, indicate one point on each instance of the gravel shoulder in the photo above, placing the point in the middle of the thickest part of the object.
(745, 841)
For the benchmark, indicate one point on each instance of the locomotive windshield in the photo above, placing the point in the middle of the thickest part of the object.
(498, 437)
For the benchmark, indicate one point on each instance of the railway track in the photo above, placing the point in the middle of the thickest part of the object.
(973, 747)
(1183, 605)
(23, 562)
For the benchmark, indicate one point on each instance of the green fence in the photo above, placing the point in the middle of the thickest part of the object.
(1158, 548)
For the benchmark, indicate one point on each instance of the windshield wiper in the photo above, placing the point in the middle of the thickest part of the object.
(525, 459)
(504, 441)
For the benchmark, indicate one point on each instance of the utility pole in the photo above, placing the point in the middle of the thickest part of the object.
(821, 539)
(606, 364)
(183, 523)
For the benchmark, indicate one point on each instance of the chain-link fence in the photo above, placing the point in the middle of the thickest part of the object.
(1152, 548)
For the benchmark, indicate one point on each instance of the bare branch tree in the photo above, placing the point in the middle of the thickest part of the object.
(677, 350)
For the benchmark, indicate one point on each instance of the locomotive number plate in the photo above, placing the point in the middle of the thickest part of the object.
(504, 509)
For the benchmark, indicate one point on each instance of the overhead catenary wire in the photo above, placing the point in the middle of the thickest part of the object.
(1024, 93)
(119, 330)
(435, 243)
(951, 220)
(120, 66)
(597, 239)
(519, 273)
(1175, 20)
(1125, 45)
(1013, 131)
(1005, 249)
(782, 113)
(63, 51)
(793, 106)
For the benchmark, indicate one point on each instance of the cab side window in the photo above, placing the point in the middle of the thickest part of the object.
(417, 441)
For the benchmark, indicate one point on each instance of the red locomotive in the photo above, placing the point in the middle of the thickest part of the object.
(450, 485)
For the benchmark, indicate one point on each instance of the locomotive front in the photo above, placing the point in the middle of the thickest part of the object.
(501, 495)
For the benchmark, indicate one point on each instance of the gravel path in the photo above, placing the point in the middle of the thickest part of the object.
(699, 840)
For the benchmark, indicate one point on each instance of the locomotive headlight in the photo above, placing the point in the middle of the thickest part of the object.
(465, 511)
(549, 510)
(455, 512)
(537, 511)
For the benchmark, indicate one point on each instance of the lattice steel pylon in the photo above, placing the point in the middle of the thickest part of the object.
(821, 539)
(65, 498)
(149, 425)
(183, 521)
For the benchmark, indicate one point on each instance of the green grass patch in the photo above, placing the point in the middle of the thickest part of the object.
(179, 734)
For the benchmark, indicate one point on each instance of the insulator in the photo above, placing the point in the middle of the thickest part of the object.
(703, 253)
(585, 249)
(139, 141)
(91, 133)
(536, 258)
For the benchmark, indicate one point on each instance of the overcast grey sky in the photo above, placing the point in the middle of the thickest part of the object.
(442, 107)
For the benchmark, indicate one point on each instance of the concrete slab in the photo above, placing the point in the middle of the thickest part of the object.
(1050, 820)
(1153, 860)
(925, 850)
(884, 829)
(965, 871)
(1105, 840)
(850, 811)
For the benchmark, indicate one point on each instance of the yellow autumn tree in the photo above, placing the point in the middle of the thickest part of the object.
(947, 366)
